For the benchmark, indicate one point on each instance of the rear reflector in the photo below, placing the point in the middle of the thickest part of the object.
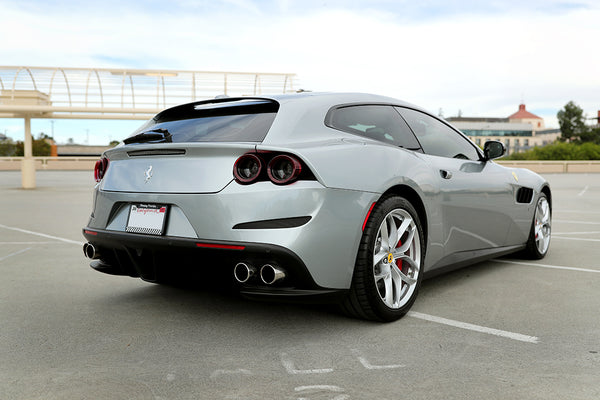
(367, 217)
(220, 246)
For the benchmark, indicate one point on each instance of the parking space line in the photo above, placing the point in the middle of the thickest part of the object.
(472, 327)
(583, 191)
(21, 243)
(42, 235)
(290, 368)
(568, 221)
(548, 266)
(574, 233)
(14, 254)
(570, 238)
(365, 363)
(575, 212)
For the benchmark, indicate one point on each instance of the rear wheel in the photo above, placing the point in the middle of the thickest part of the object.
(388, 268)
(539, 235)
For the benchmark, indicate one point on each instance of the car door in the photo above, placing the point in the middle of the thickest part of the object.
(474, 196)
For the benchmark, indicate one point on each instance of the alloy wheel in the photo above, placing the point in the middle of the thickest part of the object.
(396, 258)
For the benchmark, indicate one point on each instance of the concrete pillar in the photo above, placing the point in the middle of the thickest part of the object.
(28, 163)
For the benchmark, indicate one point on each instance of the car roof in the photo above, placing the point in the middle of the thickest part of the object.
(300, 116)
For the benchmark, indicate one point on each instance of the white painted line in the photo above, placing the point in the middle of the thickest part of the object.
(20, 243)
(568, 221)
(219, 372)
(547, 266)
(319, 389)
(570, 238)
(476, 328)
(365, 363)
(289, 366)
(575, 212)
(583, 191)
(330, 388)
(574, 233)
(42, 235)
(14, 254)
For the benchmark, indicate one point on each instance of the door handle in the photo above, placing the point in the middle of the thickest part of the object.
(445, 174)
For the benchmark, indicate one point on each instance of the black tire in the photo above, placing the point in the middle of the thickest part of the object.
(369, 296)
(536, 248)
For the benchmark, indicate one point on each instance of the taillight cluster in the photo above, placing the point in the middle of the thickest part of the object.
(100, 168)
(281, 169)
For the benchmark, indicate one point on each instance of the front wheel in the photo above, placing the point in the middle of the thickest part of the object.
(388, 269)
(539, 235)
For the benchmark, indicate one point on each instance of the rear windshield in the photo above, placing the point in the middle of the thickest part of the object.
(231, 121)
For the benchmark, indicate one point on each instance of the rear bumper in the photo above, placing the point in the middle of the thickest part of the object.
(322, 225)
(154, 258)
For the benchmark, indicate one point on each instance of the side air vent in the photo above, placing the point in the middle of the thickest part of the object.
(156, 152)
(524, 195)
(274, 223)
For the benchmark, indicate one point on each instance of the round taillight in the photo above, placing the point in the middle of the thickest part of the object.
(247, 168)
(100, 169)
(284, 169)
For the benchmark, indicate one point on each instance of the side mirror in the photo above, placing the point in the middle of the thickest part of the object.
(493, 149)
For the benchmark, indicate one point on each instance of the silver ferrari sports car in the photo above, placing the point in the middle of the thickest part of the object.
(351, 198)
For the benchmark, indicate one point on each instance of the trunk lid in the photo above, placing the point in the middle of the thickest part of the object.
(172, 168)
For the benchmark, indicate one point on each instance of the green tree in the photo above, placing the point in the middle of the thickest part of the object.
(8, 149)
(572, 123)
(39, 147)
(560, 151)
(591, 136)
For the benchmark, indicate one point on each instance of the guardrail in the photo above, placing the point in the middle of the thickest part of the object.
(87, 163)
(50, 163)
(559, 166)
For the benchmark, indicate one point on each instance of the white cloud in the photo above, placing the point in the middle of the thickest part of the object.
(480, 62)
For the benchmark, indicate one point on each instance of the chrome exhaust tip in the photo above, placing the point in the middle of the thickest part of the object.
(90, 251)
(270, 274)
(242, 272)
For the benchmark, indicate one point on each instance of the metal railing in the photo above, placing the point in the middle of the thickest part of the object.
(87, 163)
(102, 92)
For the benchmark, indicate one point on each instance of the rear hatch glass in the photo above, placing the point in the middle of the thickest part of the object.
(219, 120)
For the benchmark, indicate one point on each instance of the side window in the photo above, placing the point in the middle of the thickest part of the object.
(437, 138)
(377, 122)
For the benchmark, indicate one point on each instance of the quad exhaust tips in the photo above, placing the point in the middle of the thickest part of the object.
(269, 274)
(91, 251)
(243, 272)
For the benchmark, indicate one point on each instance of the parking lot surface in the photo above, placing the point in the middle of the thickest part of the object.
(501, 329)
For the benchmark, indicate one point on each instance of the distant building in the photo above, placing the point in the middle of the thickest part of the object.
(519, 132)
(3, 137)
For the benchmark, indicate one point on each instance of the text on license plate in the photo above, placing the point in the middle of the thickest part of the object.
(148, 219)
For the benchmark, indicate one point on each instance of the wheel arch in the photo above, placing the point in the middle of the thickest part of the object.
(546, 190)
(413, 197)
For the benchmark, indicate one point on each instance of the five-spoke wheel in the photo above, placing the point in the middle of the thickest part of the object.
(396, 258)
(539, 236)
(387, 273)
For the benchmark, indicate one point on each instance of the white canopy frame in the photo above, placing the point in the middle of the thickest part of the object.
(109, 93)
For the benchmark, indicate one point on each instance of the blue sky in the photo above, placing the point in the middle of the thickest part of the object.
(480, 57)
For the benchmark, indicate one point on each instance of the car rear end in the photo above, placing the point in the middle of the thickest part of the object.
(192, 190)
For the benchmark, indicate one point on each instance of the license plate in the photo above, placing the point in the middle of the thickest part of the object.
(148, 219)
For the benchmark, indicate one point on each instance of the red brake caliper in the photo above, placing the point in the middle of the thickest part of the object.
(399, 262)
